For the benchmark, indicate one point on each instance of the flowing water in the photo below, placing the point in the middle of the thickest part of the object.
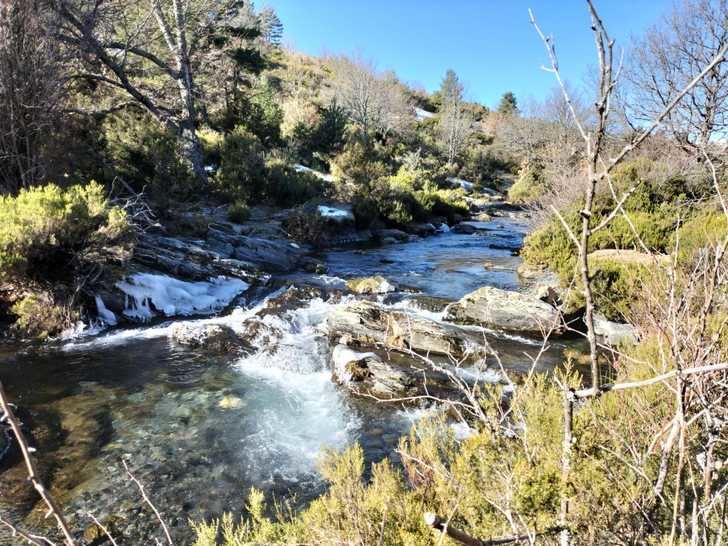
(199, 431)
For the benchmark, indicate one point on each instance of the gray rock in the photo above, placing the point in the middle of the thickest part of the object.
(270, 254)
(505, 310)
(212, 338)
(367, 372)
(614, 333)
(370, 324)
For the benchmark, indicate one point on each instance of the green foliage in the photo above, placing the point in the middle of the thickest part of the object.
(704, 231)
(146, 155)
(305, 224)
(46, 224)
(238, 212)
(40, 317)
(47, 234)
(241, 173)
(508, 104)
(323, 138)
(530, 186)
(286, 187)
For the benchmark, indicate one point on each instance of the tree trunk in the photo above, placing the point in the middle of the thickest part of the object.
(192, 150)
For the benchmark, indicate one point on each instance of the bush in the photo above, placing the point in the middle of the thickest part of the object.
(700, 234)
(306, 225)
(46, 226)
(241, 174)
(286, 187)
(38, 316)
(238, 212)
(146, 156)
(530, 185)
(48, 237)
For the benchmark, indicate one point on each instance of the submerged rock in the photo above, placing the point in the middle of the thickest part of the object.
(370, 285)
(367, 372)
(502, 309)
(212, 338)
(373, 324)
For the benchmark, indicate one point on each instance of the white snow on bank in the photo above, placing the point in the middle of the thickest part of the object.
(108, 317)
(443, 228)
(334, 213)
(147, 293)
(464, 184)
(422, 115)
(318, 174)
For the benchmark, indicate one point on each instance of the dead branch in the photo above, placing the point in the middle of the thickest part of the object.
(33, 477)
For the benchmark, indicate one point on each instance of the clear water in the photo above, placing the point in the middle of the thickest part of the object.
(200, 431)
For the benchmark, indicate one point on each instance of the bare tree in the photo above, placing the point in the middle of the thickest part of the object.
(455, 122)
(373, 102)
(30, 92)
(669, 57)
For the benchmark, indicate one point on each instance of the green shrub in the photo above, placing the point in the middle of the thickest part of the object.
(146, 156)
(241, 173)
(530, 186)
(238, 212)
(40, 317)
(44, 227)
(286, 187)
(699, 234)
(306, 225)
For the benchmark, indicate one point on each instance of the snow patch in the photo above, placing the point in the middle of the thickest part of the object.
(318, 174)
(464, 184)
(335, 213)
(148, 294)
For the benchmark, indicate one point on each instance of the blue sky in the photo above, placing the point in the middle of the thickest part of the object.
(489, 43)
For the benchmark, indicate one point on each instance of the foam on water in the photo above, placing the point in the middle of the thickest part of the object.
(302, 410)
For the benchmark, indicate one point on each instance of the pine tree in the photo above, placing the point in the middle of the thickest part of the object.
(508, 104)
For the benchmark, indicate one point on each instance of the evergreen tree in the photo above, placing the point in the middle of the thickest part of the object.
(508, 104)
(271, 28)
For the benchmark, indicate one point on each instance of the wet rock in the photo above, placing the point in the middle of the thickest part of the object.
(270, 254)
(211, 338)
(293, 298)
(257, 333)
(614, 333)
(94, 535)
(391, 235)
(230, 402)
(367, 372)
(422, 230)
(463, 228)
(370, 285)
(370, 323)
(502, 309)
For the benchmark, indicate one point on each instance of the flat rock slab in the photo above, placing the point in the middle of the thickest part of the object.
(504, 310)
(371, 324)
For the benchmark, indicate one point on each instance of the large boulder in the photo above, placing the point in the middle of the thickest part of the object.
(212, 338)
(370, 285)
(504, 310)
(370, 323)
(368, 373)
(614, 333)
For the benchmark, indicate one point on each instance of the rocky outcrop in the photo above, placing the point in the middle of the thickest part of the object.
(504, 310)
(370, 285)
(373, 324)
(368, 373)
(211, 338)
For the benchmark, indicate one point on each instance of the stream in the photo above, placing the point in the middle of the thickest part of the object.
(199, 431)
